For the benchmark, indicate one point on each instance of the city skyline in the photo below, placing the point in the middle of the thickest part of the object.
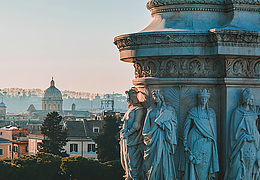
(71, 41)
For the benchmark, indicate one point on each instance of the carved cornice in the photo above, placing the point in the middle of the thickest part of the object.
(237, 38)
(150, 40)
(248, 2)
(157, 3)
(161, 3)
(217, 37)
(189, 9)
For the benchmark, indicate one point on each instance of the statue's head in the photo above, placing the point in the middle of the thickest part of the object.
(203, 96)
(248, 97)
(132, 95)
(157, 96)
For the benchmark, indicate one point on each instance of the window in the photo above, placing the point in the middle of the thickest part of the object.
(91, 147)
(1, 152)
(54, 107)
(49, 107)
(95, 129)
(1, 133)
(45, 107)
(15, 149)
(73, 147)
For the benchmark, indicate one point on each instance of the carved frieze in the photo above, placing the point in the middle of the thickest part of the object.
(217, 66)
(179, 67)
(243, 67)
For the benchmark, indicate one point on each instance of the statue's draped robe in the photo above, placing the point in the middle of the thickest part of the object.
(132, 147)
(161, 142)
(244, 145)
(201, 134)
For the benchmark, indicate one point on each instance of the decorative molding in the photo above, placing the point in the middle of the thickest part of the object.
(197, 67)
(158, 3)
(213, 38)
(218, 9)
(149, 40)
(178, 67)
(234, 36)
(243, 67)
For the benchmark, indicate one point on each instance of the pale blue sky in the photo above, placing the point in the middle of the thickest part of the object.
(71, 40)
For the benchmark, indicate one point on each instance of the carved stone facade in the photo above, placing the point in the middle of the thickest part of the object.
(194, 45)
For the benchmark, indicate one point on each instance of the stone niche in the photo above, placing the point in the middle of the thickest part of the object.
(194, 45)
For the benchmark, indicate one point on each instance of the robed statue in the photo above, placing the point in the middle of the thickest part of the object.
(244, 144)
(200, 136)
(160, 139)
(131, 143)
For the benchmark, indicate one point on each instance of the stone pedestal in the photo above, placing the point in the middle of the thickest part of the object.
(192, 45)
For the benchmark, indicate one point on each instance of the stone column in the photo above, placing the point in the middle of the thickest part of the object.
(197, 44)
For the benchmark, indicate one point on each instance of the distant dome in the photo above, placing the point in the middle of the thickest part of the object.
(52, 98)
(52, 92)
(2, 104)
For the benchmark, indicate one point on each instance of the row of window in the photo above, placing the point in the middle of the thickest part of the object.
(54, 107)
(74, 147)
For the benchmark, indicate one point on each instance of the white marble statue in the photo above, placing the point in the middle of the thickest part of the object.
(200, 135)
(160, 139)
(131, 143)
(244, 161)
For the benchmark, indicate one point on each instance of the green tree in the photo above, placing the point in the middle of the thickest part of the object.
(108, 140)
(54, 136)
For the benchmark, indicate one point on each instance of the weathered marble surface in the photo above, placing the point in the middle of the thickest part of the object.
(160, 138)
(244, 149)
(131, 143)
(193, 45)
(200, 141)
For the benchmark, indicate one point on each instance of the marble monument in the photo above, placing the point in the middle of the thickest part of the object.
(193, 50)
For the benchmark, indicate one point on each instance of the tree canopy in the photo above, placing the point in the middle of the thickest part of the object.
(55, 138)
(108, 140)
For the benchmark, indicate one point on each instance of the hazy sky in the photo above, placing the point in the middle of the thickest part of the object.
(71, 40)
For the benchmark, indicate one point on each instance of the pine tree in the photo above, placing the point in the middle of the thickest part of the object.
(108, 141)
(54, 136)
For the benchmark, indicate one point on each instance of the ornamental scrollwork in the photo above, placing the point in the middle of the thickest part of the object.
(178, 67)
(197, 67)
(243, 67)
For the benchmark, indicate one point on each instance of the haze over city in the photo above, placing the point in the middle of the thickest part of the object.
(69, 40)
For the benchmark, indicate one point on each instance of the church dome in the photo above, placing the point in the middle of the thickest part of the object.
(2, 104)
(52, 92)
